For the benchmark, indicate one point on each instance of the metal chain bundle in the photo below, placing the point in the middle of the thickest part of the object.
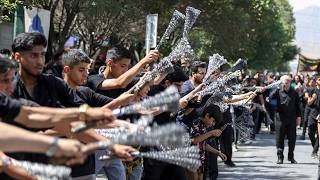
(177, 18)
(187, 157)
(215, 62)
(191, 17)
(167, 100)
(41, 171)
(171, 135)
(220, 82)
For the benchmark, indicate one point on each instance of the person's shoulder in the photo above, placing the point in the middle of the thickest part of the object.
(51, 78)
(95, 77)
(84, 90)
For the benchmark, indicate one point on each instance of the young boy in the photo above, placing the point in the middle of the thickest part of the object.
(116, 77)
(202, 134)
(75, 70)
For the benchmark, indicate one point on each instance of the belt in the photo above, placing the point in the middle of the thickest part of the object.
(132, 165)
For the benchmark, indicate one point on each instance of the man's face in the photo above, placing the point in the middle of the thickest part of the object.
(7, 82)
(287, 83)
(119, 67)
(144, 91)
(210, 121)
(318, 81)
(253, 82)
(198, 77)
(178, 85)
(79, 73)
(32, 61)
(214, 75)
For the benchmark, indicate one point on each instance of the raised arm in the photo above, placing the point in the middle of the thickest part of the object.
(123, 80)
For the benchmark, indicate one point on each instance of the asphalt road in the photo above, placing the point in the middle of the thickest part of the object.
(258, 161)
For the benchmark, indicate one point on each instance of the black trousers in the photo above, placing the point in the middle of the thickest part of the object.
(272, 112)
(157, 170)
(225, 141)
(314, 138)
(305, 120)
(211, 167)
(283, 130)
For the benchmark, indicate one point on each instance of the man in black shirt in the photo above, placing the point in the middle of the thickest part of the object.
(75, 70)
(313, 102)
(153, 169)
(288, 106)
(116, 77)
(46, 90)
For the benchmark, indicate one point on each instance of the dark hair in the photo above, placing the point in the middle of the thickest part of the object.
(5, 52)
(117, 53)
(177, 75)
(196, 65)
(6, 65)
(26, 41)
(74, 57)
(57, 56)
(213, 111)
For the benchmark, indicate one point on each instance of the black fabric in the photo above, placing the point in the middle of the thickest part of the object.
(87, 168)
(157, 170)
(165, 117)
(313, 135)
(225, 141)
(211, 163)
(95, 81)
(9, 108)
(50, 91)
(282, 130)
(85, 95)
(288, 105)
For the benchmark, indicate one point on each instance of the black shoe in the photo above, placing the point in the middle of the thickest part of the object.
(280, 161)
(230, 164)
(292, 161)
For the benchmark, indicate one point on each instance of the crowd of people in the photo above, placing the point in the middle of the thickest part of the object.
(41, 104)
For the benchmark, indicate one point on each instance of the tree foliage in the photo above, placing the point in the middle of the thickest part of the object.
(260, 31)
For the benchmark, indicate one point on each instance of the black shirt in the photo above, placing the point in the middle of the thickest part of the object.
(9, 108)
(85, 95)
(95, 81)
(288, 104)
(164, 117)
(50, 91)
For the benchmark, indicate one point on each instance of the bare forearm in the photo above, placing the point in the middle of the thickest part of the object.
(124, 79)
(201, 138)
(211, 149)
(43, 117)
(32, 142)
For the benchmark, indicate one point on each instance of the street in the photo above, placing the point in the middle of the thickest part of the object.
(258, 161)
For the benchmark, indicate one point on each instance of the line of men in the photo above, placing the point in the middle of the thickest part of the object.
(33, 100)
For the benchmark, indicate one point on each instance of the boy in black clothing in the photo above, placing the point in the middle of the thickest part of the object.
(117, 76)
(46, 90)
(202, 133)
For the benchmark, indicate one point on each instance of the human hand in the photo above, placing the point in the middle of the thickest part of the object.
(151, 57)
(183, 103)
(216, 132)
(104, 115)
(123, 152)
(298, 121)
(222, 156)
(71, 150)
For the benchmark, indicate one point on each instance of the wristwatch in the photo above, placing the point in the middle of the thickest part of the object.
(83, 110)
(53, 147)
